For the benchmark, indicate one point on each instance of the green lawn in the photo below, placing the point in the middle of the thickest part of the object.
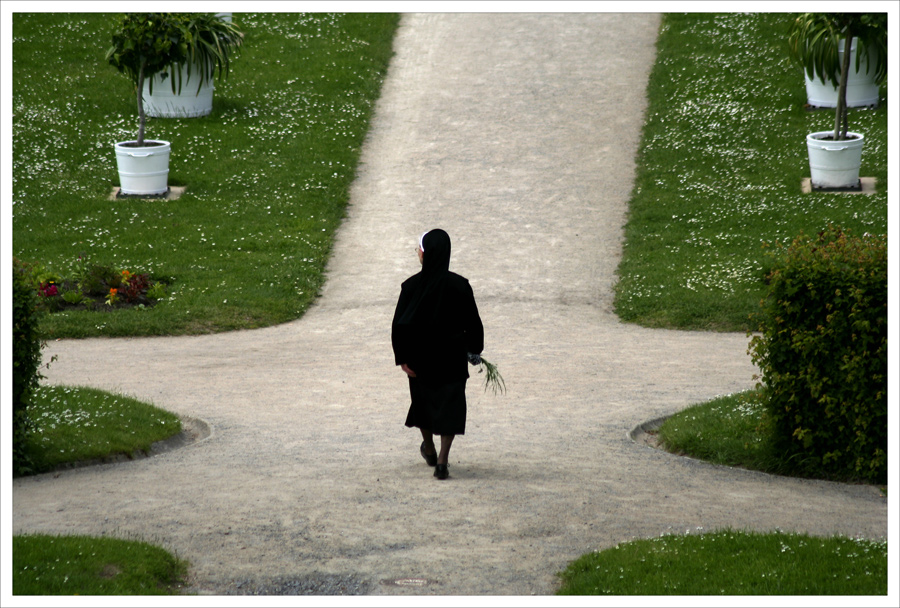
(730, 562)
(80, 565)
(733, 430)
(81, 424)
(267, 173)
(719, 173)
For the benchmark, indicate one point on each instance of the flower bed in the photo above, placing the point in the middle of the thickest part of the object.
(98, 287)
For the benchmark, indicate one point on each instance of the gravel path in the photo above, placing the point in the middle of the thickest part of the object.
(516, 133)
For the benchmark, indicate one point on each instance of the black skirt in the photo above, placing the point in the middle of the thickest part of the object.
(438, 407)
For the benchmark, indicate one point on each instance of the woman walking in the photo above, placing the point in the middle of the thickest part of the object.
(436, 326)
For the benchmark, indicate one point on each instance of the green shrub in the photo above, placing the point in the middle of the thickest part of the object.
(822, 352)
(72, 297)
(26, 358)
(98, 279)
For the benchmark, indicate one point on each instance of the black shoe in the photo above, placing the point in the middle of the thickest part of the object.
(431, 459)
(441, 471)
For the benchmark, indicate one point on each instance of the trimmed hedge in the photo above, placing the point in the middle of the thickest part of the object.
(822, 352)
(26, 359)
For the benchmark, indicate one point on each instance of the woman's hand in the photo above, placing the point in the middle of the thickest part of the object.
(408, 371)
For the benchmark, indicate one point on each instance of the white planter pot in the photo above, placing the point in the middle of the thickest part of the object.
(143, 170)
(189, 103)
(861, 88)
(834, 164)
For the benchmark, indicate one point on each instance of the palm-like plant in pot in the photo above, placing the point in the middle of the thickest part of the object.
(821, 44)
(144, 45)
(212, 40)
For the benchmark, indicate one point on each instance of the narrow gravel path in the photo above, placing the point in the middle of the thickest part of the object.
(516, 133)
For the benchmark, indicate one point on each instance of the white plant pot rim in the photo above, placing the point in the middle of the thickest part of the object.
(148, 143)
(823, 138)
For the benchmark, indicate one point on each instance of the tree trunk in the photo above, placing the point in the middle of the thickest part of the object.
(142, 118)
(840, 115)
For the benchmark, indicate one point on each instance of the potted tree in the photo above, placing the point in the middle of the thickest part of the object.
(212, 40)
(821, 43)
(144, 45)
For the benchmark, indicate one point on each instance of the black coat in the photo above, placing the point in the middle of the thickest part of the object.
(433, 332)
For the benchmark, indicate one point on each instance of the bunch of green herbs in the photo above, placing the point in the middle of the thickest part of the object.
(493, 380)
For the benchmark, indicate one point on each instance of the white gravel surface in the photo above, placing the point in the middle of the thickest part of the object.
(517, 134)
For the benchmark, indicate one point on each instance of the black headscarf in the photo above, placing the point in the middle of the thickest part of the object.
(423, 303)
